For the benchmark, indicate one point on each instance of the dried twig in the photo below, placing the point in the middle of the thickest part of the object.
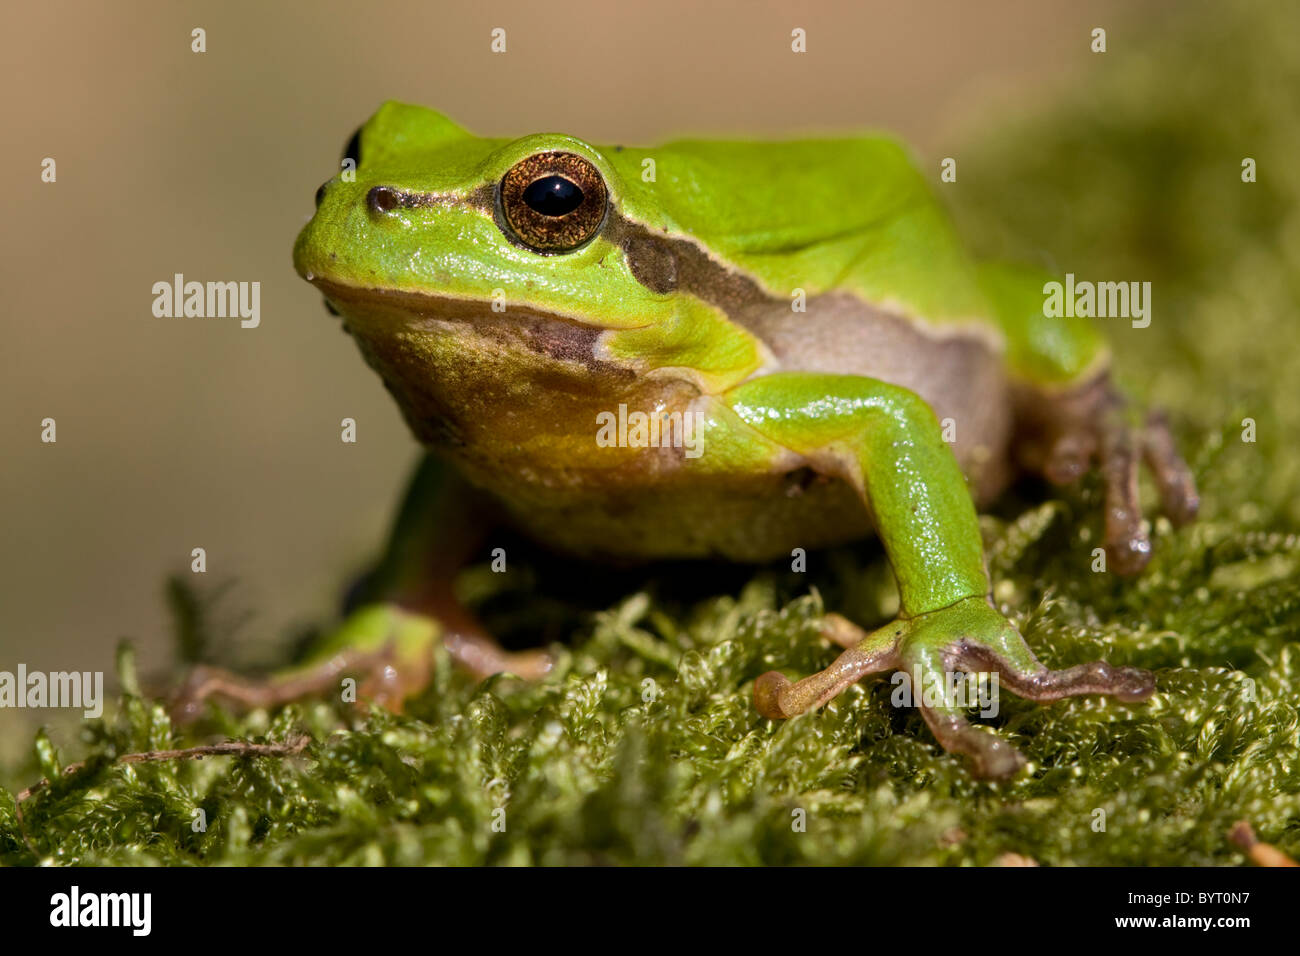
(295, 745)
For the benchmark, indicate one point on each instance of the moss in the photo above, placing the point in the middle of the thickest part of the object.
(644, 746)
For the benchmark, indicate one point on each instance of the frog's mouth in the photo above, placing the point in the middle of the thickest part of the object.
(375, 314)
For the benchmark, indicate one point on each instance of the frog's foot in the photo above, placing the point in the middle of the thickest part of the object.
(934, 650)
(776, 697)
(482, 656)
(386, 650)
(1178, 495)
(379, 683)
(1125, 538)
(473, 648)
(1129, 684)
(1069, 433)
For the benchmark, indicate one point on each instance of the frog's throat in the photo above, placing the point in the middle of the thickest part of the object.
(549, 335)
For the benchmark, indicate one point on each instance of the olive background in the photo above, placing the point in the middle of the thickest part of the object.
(183, 433)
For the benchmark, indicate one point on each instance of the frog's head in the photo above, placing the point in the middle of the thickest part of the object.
(512, 267)
(431, 209)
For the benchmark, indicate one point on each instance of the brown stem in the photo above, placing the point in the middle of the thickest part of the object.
(289, 748)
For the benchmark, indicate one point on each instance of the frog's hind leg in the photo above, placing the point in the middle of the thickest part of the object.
(1121, 451)
(1178, 497)
(473, 648)
(394, 618)
(1074, 431)
(440, 523)
(1064, 434)
(385, 650)
(1125, 537)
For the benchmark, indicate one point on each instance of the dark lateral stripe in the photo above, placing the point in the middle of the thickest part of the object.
(666, 264)
(661, 263)
(385, 198)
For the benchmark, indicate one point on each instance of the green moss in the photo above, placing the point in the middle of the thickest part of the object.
(644, 746)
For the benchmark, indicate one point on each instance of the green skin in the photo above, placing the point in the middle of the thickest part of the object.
(679, 293)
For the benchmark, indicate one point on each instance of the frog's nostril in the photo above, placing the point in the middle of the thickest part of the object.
(320, 194)
(383, 199)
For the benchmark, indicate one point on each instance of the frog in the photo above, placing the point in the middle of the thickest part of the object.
(804, 310)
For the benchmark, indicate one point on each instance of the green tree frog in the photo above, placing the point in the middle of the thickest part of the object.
(557, 319)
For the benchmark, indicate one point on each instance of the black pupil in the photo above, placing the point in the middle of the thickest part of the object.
(553, 196)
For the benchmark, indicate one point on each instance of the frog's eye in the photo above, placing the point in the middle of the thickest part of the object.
(352, 150)
(552, 202)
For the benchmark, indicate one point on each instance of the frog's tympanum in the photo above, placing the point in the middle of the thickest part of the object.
(710, 349)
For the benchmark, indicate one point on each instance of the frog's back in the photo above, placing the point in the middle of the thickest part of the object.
(890, 290)
(854, 216)
(818, 215)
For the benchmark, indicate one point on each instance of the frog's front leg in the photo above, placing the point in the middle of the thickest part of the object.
(886, 442)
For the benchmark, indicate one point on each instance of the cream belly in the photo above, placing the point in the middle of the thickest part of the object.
(512, 401)
(763, 516)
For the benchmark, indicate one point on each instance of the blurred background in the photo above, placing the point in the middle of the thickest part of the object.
(182, 433)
